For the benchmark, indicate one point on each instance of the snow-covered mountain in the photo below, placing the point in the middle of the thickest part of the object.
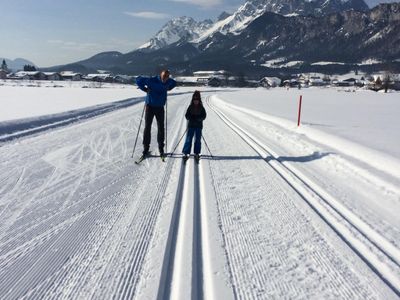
(179, 29)
(252, 9)
(253, 38)
(188, 30)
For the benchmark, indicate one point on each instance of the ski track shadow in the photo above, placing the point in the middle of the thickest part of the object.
(307, 158)
(302, 159)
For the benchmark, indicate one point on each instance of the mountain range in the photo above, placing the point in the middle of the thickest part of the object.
(17, 64)
(267, 37)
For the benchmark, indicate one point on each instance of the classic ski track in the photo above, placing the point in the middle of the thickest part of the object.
(125, 288)
(309, 191)
(173, 266)
(257, 279)
(167, 270)
(189, 242)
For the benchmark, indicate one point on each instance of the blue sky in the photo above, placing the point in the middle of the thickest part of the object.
(52, 32)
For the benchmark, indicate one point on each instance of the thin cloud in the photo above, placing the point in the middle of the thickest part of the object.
(148, 15)
(202, 3)
(76, 46)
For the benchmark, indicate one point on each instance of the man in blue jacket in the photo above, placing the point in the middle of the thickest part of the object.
(156, 88)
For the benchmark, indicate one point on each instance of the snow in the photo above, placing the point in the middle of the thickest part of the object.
(364, 117)
(324, 63)
(271, 211)
(371, 61)
(26, 102)
(281, 63)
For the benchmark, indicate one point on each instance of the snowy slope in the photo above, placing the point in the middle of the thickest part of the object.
(177, 29)
(271, 213)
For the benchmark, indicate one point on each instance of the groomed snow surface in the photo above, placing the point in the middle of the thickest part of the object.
(272, 211)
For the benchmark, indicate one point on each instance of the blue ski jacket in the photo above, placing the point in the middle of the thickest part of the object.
(156, 90)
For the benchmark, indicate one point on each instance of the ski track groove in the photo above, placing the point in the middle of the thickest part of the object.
(387, 278)
(167, 270)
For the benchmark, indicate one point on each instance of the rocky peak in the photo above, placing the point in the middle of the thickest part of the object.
(177, 29)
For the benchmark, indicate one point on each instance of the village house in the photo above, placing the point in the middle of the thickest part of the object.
(270, 82)
(291, 83)
(214, 82)
(99, 77)
(3, 74)
(187, 81)
(125, 79)
(53, 76)
(204, 77)
(69, 75)
(29, 75)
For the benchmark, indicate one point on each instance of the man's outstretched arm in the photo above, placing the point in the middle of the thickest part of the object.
(142, 83)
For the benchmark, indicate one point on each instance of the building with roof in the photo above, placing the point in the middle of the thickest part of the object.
(3, 74)
(99, 77)
(30, 75)
(270, 82)
(53, 76)
(69, 75)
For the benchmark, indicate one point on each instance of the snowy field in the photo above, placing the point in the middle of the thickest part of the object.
(275, 211)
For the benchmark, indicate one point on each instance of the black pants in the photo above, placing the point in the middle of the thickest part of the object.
(159, 113)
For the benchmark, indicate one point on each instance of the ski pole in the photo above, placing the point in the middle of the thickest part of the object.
(208, 148)
(140, 124)
(166, 126)
(179, 142)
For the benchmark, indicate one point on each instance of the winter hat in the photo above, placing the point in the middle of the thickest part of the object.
(196, 95)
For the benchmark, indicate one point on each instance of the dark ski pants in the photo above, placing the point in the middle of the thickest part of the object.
(151, 112)
(196, 132)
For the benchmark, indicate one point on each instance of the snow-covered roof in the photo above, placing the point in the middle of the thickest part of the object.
(29, 73)
(186, 79)
(270, 80)
(98, 75)
(209, 73)
(70, 73)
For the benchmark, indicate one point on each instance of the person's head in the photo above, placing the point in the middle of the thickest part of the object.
(164, 75)
(196, 98)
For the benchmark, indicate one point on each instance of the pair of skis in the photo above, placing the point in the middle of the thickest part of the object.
(144, 156)
(185, 158)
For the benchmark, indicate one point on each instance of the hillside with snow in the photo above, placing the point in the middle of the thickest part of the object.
(272, 210)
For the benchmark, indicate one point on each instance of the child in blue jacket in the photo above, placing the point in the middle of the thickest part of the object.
(195, 115)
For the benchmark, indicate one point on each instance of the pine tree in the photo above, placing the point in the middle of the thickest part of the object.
(4, 66)
(29, 68)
